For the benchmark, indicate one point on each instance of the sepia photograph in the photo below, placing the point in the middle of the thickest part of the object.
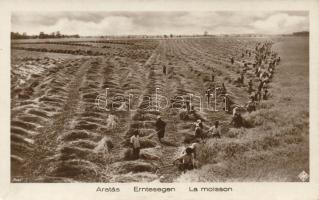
(159, 96)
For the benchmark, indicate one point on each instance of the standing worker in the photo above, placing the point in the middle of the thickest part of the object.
(188, 106)
(199, 127)
(224, 90)
(265, 95)
(208, 92)
(258, 96)
(232, 60)
(242, 77)
(250, 86)
(164, 69)
(213, 77)
(135, 141)
(198, 132)
(160, 128)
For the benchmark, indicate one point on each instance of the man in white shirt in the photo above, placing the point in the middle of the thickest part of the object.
(135, 141)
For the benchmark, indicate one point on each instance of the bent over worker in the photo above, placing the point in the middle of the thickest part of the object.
(215, 130)
(186, 161)
(237, 120)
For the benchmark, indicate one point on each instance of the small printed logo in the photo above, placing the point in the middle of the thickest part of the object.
(303, 176)
(16, 179)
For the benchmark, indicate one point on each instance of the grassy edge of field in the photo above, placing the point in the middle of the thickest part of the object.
(277, 147)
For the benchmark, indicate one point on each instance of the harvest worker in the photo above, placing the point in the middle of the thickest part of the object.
(250, 86)
(224, 90)
(237, 120)
(193, 147)
(265, 95)
(258, 96)
(160, 128)
(186, 161)
(242, 78)
(232, 60)
(261, 85)
(199, 123)
(251, 106)
(215, 130)
(198, 132)
(235, 110)
(188, 107)
(135, 141)
(208, 93)
(164, 69)
(228, 103)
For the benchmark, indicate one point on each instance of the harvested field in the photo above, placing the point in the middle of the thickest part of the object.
(75, 103)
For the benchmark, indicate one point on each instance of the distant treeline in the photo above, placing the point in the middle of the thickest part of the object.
(42, 35)
(301, 33)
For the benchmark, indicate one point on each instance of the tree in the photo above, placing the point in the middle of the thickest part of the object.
(41, 35)
(52, 35)
(58, 34)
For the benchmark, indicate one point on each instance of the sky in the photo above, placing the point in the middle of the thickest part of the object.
(161, 22)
